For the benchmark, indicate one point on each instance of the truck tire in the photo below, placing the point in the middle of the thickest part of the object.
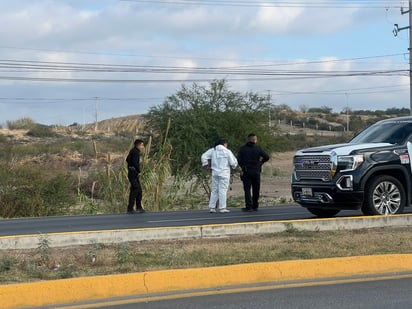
(384, 195)
(323, 213)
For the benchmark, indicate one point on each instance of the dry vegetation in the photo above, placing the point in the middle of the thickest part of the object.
(99, 259)
(45, 263)
(275, 185)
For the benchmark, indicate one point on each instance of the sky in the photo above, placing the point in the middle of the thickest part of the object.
(78, 61)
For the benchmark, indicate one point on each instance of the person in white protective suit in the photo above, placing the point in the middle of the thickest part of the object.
(221, 160)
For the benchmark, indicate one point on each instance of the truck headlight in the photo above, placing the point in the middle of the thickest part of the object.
(345, 163)
(349, 163)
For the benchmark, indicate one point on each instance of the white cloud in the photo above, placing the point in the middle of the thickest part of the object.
(276, 20)
(130, 33)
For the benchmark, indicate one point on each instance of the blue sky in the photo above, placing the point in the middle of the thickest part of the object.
(53, 53)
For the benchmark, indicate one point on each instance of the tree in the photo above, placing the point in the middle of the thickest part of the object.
(303, 108)
(201, 114)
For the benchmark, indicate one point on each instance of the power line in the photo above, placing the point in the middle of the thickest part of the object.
(291, 4)
(263, 62)
(268, 70)
(57, 100)
(32, 64)
(353, 91)
(268, 77)
(51, 100)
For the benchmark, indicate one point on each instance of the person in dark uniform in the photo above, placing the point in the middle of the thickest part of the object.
(133, 174)
(251, 158)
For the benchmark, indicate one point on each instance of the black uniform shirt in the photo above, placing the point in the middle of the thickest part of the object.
(133, 159)
(251, 157)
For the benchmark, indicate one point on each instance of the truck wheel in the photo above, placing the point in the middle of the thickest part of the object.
(323, 213)
(384, 195)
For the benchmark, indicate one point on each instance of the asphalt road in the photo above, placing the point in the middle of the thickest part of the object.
(27, 226)
(382, 293)
(377, 293)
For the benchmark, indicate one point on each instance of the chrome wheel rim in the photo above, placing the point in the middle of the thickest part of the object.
(386, 198)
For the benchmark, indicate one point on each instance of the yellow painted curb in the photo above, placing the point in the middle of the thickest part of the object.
(101, 287)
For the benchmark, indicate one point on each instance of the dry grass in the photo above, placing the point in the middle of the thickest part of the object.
(101, 259)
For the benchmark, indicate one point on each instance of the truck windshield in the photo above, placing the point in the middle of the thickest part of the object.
(388, 132)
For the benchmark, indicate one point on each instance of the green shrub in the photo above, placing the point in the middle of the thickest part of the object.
(3, 139)
(7, 263)
(40, 130)
(28, 192)
(21, 124)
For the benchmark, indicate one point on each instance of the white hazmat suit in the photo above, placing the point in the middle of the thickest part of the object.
(222, 159)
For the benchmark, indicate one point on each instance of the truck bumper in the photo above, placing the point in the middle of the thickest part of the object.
(327, 197)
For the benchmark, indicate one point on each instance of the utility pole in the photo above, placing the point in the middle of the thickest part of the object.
(270, 106)
(97, 107)
(395, 33)
(347, 113)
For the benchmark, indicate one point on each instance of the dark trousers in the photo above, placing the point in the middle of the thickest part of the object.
(251, 180)
(135, 194)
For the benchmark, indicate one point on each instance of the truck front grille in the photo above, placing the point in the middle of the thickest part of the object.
(312, 167)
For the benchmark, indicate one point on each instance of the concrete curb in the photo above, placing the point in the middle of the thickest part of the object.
(103, 287)
(202, 231)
